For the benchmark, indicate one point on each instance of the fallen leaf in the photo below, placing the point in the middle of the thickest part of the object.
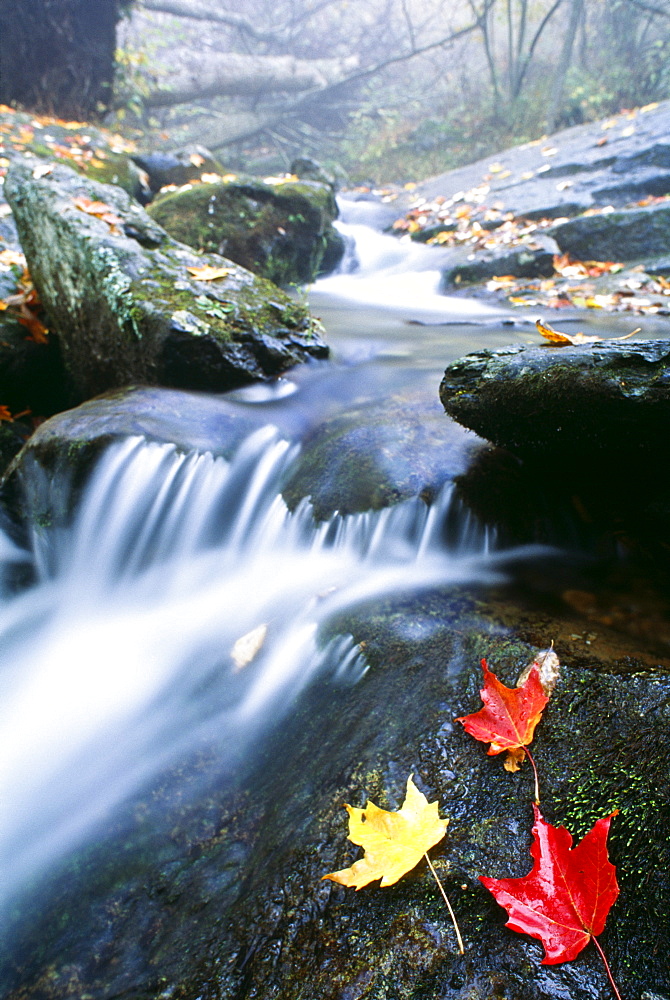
(11, 258)
(548, 668)
(509, 716)
(248, 646)
(561, 339)
(209, 273)
(555, 337)
(565, 898)
(42, 170)
(97, 208)
(394, 842)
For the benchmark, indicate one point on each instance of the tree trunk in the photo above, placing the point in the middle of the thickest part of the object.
(58, 55)
(206, 74)
(576, 10)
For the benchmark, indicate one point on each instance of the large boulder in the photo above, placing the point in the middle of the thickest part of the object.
(228, 901)
(280, 229)
(631, 234)
(129, 304)
(606, 399)
(90, 150)
(612, 162)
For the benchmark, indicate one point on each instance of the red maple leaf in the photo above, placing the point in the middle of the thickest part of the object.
(565, 898)
(509, 716)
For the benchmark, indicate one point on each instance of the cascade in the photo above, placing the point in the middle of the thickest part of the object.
(122, 656)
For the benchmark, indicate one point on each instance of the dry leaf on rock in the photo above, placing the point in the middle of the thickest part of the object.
(208, 273)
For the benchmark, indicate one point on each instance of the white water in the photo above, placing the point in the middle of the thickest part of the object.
(398, 276)
(119, 660)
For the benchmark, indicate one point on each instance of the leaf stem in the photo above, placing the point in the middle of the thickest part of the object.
(537, 783)
(453, 915)
(607, 967)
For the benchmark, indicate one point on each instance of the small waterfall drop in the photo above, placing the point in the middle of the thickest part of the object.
(181, 604)
(397, 275)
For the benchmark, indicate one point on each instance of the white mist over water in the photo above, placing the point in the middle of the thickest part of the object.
(119, 659)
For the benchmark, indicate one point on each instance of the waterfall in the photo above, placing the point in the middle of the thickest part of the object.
(398, 275)
(181, 602)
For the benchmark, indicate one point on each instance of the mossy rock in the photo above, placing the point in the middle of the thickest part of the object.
(127, 303)
(280, 230)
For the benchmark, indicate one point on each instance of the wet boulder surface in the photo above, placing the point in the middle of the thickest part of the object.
(124, 305)
(228, 900)
(606, 398)
(278, 228)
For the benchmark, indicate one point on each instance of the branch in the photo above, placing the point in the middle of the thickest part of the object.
(209, 74)
(650, 8)
(527, 61)
(197, 10)
(369, 71)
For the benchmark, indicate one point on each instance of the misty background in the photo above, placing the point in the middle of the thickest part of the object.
(383, 90)
(378, 90)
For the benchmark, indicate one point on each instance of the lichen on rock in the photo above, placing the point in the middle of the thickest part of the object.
(117, 293)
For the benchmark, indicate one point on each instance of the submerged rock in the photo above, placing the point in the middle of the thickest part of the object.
(128, 303)
(609, 398)
(363, 460)
(280, 229)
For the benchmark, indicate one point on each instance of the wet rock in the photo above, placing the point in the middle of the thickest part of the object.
(613, 162)
(628, 235)
(360, 460)
(231, 904)
(279, 229)
(610, 398)
(308, 169)
(124, 306)
(177, 166)
(535, 259)
(67, 446)
(91, 151)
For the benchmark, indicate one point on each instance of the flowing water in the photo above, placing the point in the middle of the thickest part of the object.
(181, 603)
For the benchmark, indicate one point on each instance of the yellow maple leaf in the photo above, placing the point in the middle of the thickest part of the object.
(208, 273)
(394, 842)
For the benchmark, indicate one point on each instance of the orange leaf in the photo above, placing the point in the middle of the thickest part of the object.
(509, 716)
(98, 209)
(555, 337)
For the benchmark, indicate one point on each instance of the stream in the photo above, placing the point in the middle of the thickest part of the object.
(184, 608)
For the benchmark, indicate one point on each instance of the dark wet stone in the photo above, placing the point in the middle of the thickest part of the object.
(532, 260)
(125, 308)
(231, 904)
(177, 166)
(363, 460)
(611, 397)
